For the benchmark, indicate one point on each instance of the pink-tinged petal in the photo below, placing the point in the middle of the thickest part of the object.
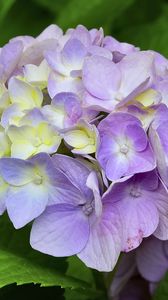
(137, 208)
(161, 200)
(152, 260)
(136, 68)
(16, 171)
(73, 54)
(104, 244)
(101, 77)
(62, 230)
(139, 219)
(26, 203)
(9, 59)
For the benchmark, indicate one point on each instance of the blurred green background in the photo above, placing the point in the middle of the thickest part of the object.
(142, 22)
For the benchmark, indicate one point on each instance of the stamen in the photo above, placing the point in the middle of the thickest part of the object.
(124, 149)
(88, 208)
(135, 192)
(38, 179)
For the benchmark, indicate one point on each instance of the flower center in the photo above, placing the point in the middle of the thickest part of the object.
(135, 192)
(124, 149)
(37, 142)
(88, 208)
(38, 179)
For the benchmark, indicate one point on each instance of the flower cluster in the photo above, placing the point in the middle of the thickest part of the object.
(84, 143)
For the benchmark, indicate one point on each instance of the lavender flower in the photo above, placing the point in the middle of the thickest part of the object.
(81, 223)
(124, 149)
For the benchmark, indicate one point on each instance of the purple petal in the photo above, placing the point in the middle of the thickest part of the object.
(138, 135)
(60, 189)
(62, 230)
(82, 34)
(26, 203)
(73, 54)
(136, 68)
(137, 208)
(34, 54)
(117, 167)
(16, 171)
(9, 59)
(51, 32)
(104, 244)
(72, 106)
(92, 183)
(152, 260)
(101, 77)
(74, 170)
(96, 50)
(54, 60)
(161, 199)
(126, 268)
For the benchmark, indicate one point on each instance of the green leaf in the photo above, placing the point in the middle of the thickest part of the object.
(87, 294)
(31, 291)
(5, 6)
(94, 13)
(162, 290)
(20, 264)
(77, 269)
(152, 35)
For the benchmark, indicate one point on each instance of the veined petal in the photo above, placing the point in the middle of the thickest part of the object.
(101, 77)
(104, 245)
(62, 230)
(26, 203)
(73, 54)
(16, 171)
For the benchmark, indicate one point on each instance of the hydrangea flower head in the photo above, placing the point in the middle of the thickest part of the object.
(83, 145)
